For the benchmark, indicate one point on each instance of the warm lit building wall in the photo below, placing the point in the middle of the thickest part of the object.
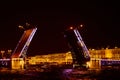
(116, 53)
(105, 53)
(17, 63)
(60, 58)
(98, 55)
(108, 53)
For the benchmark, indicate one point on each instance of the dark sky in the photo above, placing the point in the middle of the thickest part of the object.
(100, 19)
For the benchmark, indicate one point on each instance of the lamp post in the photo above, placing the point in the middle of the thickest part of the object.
(2, 52)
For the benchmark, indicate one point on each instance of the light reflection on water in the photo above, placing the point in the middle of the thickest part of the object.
(60, 75)
(70, 74)
(107, 74)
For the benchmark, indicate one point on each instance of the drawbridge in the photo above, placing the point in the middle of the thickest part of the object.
(77, 46)
(19, 54)
(23, 44)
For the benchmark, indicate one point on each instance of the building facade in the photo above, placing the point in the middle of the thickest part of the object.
(57, 58)
(97, 56)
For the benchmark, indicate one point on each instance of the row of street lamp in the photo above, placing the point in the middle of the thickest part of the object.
(3, 53)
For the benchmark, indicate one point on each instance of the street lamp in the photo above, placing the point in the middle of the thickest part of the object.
(25, 27)
(81, 25)
(2, 52)
(21, 27)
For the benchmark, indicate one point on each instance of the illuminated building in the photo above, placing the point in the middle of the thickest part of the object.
(17, 63)
(106, 55)
(57, 58)
(66, 58)
(97, 56)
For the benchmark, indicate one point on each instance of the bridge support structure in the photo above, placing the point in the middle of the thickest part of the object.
(19, 55)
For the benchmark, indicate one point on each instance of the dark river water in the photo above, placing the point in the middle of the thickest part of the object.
(60, 75)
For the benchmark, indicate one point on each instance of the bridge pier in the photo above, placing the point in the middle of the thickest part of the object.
(17, 63)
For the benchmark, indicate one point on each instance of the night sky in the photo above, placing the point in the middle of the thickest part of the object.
(100, 24)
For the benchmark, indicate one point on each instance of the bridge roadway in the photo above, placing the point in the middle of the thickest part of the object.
(24, 42)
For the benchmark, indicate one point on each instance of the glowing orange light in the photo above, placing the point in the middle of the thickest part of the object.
(81, 25)
(71, 27)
